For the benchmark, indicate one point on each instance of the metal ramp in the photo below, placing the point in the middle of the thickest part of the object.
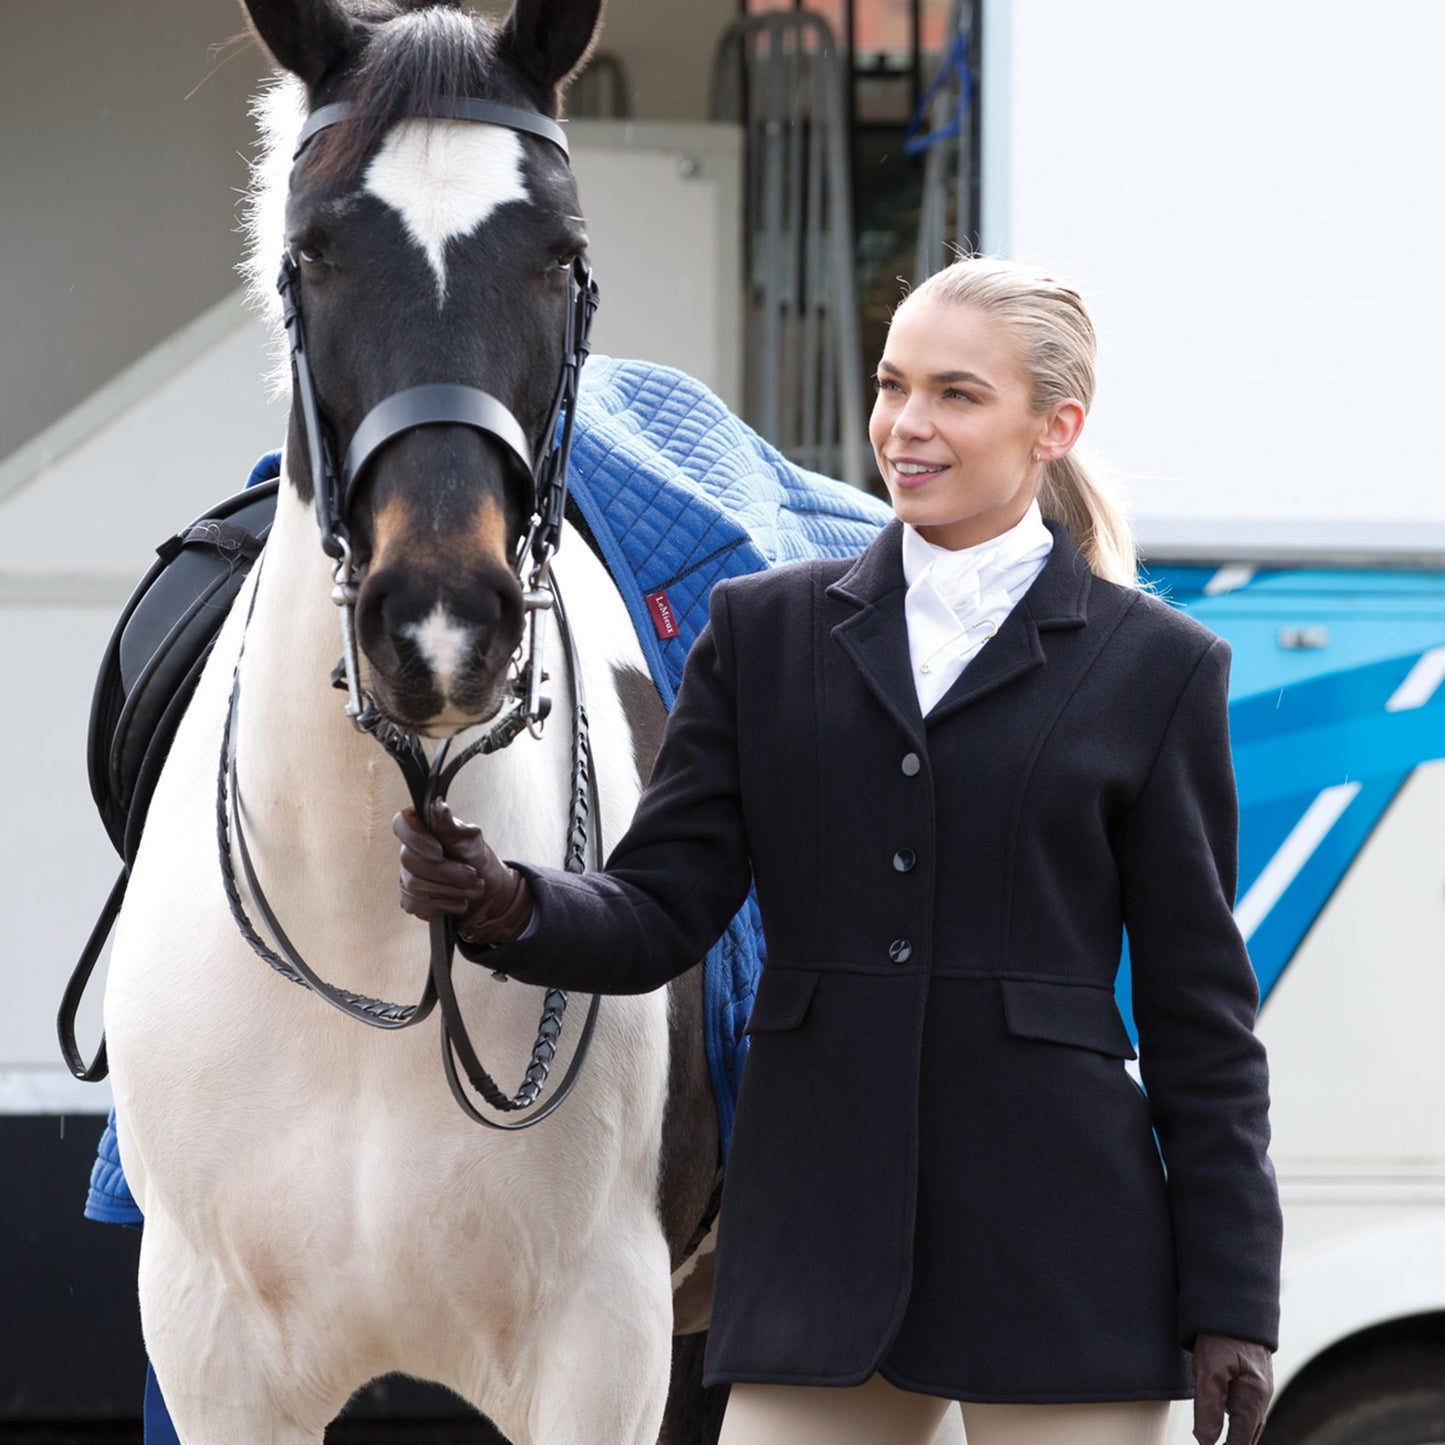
(778, 76)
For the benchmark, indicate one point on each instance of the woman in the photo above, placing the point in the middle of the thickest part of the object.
(958, 767)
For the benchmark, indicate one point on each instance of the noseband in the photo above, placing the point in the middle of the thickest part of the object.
(335, 491)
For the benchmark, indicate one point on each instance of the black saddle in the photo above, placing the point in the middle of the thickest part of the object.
(147, 676)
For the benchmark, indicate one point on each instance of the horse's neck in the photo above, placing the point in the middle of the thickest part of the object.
(320, 794)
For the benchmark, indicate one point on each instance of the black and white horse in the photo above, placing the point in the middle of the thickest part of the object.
(318, 1209)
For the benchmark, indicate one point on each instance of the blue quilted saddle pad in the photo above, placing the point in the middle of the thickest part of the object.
(678, 494)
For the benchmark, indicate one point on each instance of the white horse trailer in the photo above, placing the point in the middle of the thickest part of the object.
(1237, 190)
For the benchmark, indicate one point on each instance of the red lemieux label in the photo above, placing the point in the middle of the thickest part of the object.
(662, 615)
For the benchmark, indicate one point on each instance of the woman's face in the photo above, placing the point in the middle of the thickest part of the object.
(952, 427)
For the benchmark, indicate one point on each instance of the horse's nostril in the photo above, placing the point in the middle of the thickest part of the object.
(510, 616)
(373, 629)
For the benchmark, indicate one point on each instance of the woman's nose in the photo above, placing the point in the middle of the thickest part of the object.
(912, 420)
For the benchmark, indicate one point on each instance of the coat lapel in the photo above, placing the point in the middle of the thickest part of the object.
(1058, 598)
(875, 637)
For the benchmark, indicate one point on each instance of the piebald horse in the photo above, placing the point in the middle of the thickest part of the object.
(318, 1209)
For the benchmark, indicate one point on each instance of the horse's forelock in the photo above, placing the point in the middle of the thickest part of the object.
(416, 62)
(419, 56)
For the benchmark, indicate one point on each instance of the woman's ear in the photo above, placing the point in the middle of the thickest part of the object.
(1062, 425)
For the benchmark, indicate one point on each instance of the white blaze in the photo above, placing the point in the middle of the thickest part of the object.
(443, 642)
(444, 178)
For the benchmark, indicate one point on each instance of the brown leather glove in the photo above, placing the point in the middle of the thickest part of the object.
(450, 868)
(1234, 1375)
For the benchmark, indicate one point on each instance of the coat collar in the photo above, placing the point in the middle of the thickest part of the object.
(875, 636)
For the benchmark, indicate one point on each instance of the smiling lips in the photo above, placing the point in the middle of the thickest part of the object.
(911, 472)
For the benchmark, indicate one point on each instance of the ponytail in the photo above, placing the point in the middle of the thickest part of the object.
(1083, 497)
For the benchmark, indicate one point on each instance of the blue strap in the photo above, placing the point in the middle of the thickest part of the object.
(955, 63)
(158, 1427)
(267, 469)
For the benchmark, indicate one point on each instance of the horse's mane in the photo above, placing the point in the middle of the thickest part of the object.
(419, 56)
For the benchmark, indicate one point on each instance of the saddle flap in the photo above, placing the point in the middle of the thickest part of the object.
(157, 650)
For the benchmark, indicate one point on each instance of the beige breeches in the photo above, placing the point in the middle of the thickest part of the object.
(877, 1413)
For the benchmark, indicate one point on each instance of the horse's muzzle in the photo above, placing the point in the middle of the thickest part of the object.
(439, 654)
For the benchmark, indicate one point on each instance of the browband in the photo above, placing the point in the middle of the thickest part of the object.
(488, 112)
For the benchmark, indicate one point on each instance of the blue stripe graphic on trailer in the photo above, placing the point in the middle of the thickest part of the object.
(1363, 617)
(1421, 684)
(1319, 754)
(1365, 724)
(1353, 750)
(1311, 791)
(1266, 886)
(1281, 904)
(1379, 685)
(1313, 841)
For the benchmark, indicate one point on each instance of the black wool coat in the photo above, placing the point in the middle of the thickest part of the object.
(940, 1167)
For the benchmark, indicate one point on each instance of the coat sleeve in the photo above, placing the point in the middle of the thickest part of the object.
(680, 871)
(1195, 999)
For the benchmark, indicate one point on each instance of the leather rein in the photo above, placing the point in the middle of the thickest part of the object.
(335, 492)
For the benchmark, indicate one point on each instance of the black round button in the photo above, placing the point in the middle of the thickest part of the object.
(911, 764)
(904, 860)
(900, 950)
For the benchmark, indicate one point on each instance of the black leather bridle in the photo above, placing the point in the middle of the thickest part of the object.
(443, 404)
(335, 491)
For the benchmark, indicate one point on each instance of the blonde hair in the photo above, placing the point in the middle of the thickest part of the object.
(1056, 349)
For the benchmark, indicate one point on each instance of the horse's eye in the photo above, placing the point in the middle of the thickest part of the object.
(311, 257)
(564, 263)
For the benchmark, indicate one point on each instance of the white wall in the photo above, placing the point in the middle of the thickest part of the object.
(160, 444)
(121, 149)
(663, 204)
(123, 138)
(1248, 195)
(666, 48)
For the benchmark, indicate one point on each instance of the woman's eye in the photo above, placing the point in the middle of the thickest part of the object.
(886, 383)
(951, 395)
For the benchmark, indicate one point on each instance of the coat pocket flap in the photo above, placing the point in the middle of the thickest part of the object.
(1066, 1014)
(782, 999)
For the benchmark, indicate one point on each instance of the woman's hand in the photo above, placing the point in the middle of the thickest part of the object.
(449, 868)
(1233, 1375)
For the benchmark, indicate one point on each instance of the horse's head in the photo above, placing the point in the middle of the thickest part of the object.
(428, 252)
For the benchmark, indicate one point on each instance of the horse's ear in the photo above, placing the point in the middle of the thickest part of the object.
(550, 39)
(306, 37)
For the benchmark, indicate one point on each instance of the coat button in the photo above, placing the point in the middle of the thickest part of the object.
(904, 860)
(900, 950)
(911, 765)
